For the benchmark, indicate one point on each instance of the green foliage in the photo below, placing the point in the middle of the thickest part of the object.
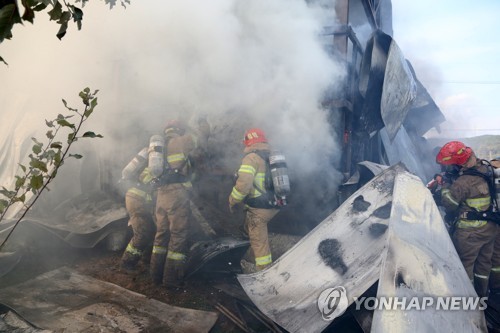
(46, 158)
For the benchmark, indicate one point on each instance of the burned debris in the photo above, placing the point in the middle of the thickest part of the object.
(356, 224)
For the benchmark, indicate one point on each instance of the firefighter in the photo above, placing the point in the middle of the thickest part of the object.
(468, 194)
(136, 179)
(173, 213)
(250, 191)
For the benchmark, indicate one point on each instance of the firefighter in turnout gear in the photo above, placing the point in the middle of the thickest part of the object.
(182, 150)
(250, 191)
(139, 205)
(469, 194)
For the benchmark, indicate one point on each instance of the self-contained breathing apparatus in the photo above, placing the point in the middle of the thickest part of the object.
(136, 165)
(161, 170)
(131, 172)
(276, 183)
(156, 153)
(492, 178)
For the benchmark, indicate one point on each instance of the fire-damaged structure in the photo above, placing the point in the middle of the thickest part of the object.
(385, 109)
(379, 234)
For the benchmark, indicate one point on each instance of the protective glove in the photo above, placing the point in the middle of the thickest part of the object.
(232, 209)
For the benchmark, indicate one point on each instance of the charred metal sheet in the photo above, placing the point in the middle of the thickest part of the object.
(86, 213)
(82, 221)
(373, 168)
(203, 252)
(398, 92)
(365, 171)
(114, 233)
(402, 149)
(421, 261)
(29, 228)
(344, 250)
(371, 80)
(387, 85)
(424, 114)
(63, 300)
(11, 322)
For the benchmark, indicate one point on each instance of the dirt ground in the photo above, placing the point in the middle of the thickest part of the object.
(199, 292)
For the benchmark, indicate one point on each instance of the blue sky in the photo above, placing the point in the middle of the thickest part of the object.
(454, 46)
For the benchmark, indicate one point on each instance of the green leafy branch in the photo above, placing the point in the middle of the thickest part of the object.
(45, 160)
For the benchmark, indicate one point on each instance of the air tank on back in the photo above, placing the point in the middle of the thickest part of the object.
(156, 155)
(136, 165)
(279, 174)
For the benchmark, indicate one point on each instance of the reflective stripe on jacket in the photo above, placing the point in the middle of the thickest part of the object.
(145, 178)
(180, 148)
(467, 193)
(251, 175)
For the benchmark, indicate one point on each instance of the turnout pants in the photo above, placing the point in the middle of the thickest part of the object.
(141, 221)
(256, 221)
(474, 246)
(173, 214)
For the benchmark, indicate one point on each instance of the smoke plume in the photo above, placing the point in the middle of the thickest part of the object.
(240, 64)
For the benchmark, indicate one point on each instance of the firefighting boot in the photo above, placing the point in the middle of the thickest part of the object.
(247, 267)
(173, 276)
(481, 285)
(130, 258)
(129, 261)
(156, 267)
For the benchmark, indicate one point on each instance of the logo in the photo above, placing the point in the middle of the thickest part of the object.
(332, 302)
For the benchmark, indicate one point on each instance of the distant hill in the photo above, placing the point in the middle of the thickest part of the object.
(485, 146)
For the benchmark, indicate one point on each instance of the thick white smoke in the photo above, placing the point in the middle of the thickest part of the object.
(239, 63)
